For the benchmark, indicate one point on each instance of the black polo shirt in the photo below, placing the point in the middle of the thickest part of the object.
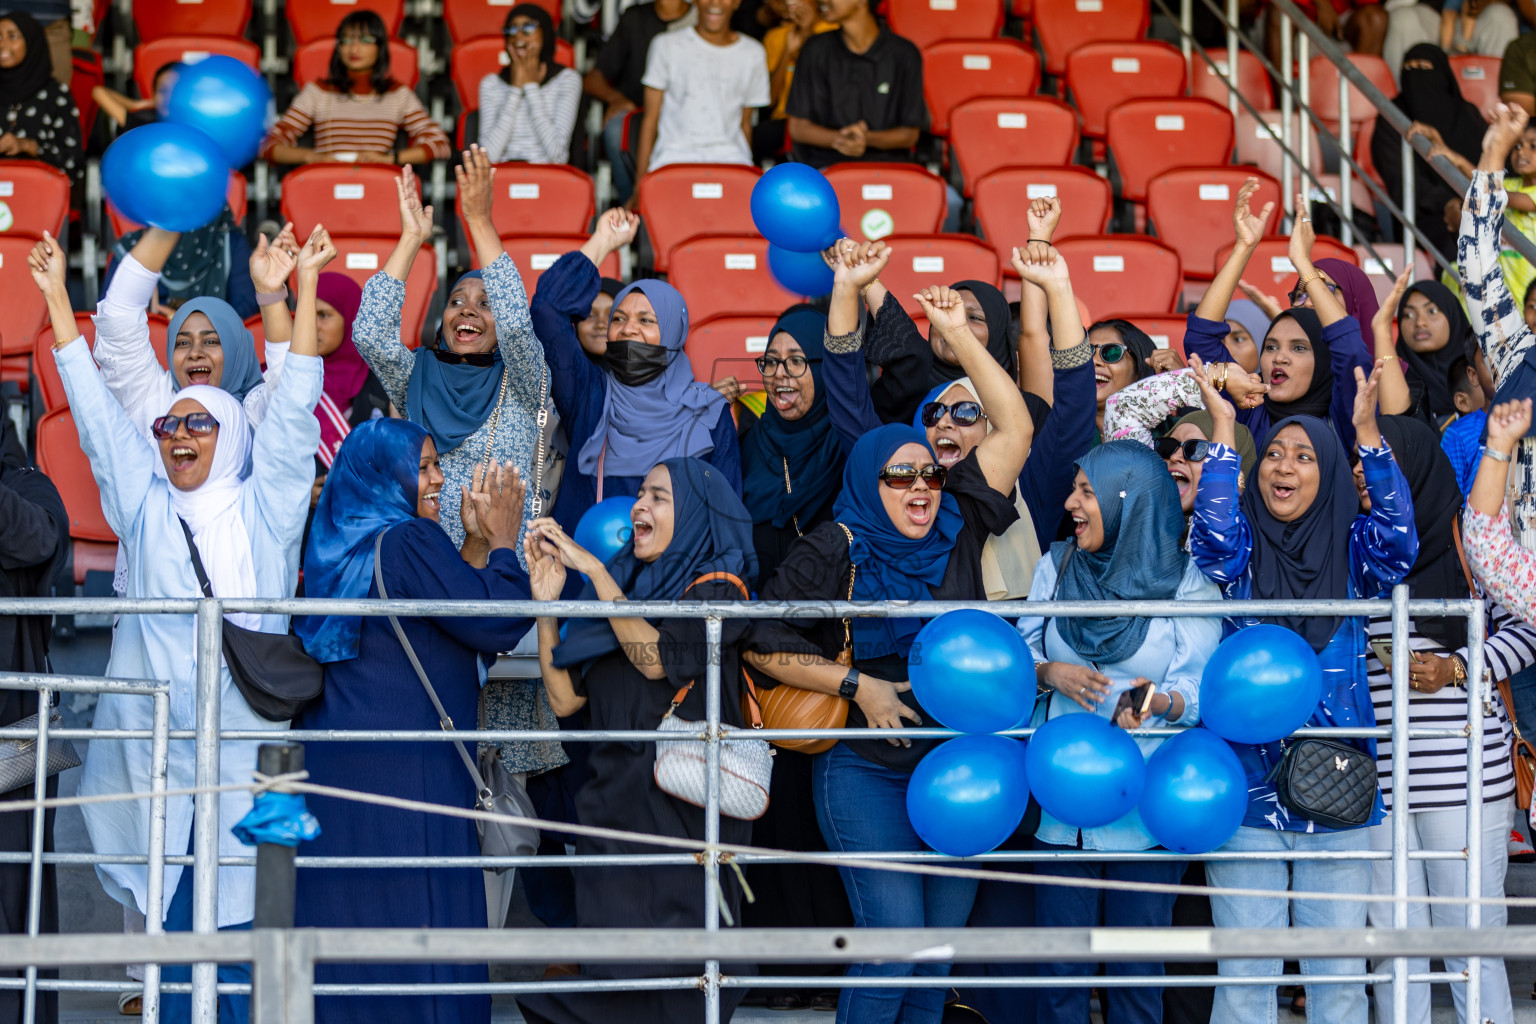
(622, 58)
(835, 87)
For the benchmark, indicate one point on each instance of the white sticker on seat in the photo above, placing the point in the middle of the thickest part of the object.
(347, 190)
(875, 192)
(1089, 6)
(1219, 192)
(1159, 340)
(1377, 266)
(7, 188)
(927, 264)
(975, 62)
(1045, 190)
(757, 343)
(1007, 120)
(708, 190)
(542, 260)
(1109, 264)
(1125, 65)
(1281, 265)
(1474, 72)
(1169, 122)
(523, 190)
(362, 261)
(741, 261)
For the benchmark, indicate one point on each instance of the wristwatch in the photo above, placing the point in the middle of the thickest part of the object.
(849, 689)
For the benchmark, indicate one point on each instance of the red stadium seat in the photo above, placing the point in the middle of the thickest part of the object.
(1064, 25)
(50, 385)
(361, 258)
(1270, 269)
(1003, 198)
(684, 201)
(60, 456)
(471, 19)
(928, 21)
(1191, 210)
(1122, 272)
(1257, 145)
(25, 311)
(1477, 77)
(728, 346)
(14, 370)
(312, 62)
(1032, 131)
(34, 197)
(471, 61)
(1148, 137)
(727, 275)
(156, 19)
(87, 75)
(1101, 76)
(918, 261)
(877, 200)
(540, 199)
(1165, 331)
(535, 254)
(318, 19)
(956, 71)
(349, 199)
(235, 197)
(1325, 88)
(1208, 81)
(152, 56)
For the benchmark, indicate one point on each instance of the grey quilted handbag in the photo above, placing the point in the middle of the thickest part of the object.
(18, 757)
(1332, 783)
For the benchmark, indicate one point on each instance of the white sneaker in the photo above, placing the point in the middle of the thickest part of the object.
(1520, 850)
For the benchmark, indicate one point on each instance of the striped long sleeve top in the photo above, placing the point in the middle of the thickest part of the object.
(357, 124)
(529, 122)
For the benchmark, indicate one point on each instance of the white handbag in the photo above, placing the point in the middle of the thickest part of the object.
(745, 767)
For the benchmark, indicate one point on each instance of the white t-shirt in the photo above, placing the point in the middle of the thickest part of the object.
(707, 88)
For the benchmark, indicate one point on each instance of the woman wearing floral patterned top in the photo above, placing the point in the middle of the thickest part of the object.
(1506, 568)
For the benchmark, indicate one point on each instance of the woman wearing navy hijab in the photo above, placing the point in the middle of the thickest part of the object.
(387, 481)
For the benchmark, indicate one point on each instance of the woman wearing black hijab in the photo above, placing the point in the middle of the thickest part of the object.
(1432, 334)
(38, 117)
(34, 544)
(1431, 98)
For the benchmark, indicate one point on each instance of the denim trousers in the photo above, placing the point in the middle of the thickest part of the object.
(1326, 1004)
(1522, 691)
(613, 146)
(862, 807)
(177, 1009)
(1060, 906)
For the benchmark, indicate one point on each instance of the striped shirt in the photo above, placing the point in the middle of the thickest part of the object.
(1439, 766)
(357, 124)
(529, 122)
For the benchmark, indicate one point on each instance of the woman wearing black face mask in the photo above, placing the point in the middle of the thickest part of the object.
(638, 405)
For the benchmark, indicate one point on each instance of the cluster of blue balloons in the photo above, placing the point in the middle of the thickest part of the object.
(174, 174)
(794, 207)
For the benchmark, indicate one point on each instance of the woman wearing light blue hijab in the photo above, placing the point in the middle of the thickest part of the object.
(1126, 547)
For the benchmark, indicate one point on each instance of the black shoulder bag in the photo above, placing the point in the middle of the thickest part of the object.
(1332, 783)
(271, 670)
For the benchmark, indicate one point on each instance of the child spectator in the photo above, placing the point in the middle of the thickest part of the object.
(132, 113)
(783, 43)
(528, 110)
(1462, 437)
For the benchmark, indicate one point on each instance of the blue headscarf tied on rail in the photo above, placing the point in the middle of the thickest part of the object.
(805, 452)
(890, 565)
(242, 369)
(1140, 559)
(452, 400)
(371, 487)
(711, 532)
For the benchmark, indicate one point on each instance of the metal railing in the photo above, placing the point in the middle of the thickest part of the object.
(289, 956)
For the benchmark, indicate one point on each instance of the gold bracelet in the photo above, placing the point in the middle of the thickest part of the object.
(1221, 385)
(1312, 275)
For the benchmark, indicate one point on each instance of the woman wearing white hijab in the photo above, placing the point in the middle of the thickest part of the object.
(245, 505)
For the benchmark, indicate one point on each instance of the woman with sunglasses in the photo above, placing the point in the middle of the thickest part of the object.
(359, 110)
(239, 504)
(528, 109)
(1296, 533)
(1136, 672)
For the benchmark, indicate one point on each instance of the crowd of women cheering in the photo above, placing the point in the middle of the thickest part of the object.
(1306, 455)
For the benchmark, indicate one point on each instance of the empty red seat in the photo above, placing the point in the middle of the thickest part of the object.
(1101, 76)
(918, 262)
(929, 21)
(471, 61)
(361, 258)
(349, 199)
(470, 19)
(1208, 81)
(156, 19)
(25, 310)
(235, 197)
(877, 200)
(1148, 137)
(152, 56)
(87, 75)
(1325, 88)
(34, 197)
(312, 62)
(1191, 210)
(1477, 77)
(1032, 131)
(954, 72)
(1112, 272)
(1003, 198)
(318, 19)
(1270, 269)
(727, 275)
(535, 254)
(728, 346)
(539, 199)
(684, 201)
(60, 456)
(1064, 25)
(1256, 142)
(50, 385)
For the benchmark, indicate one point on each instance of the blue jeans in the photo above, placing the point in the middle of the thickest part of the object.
(613, 146)
(177, 1009)
(1335, 1004)
(1059, 906)
(1522, 690)
(862, 807)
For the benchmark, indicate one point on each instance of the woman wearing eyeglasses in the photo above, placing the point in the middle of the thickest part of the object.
(528, 109)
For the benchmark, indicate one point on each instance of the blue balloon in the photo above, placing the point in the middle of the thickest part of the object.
(1261, 685)
(804, 273)
(969, 794)
(971, 671)
(226, 99)
(166, 175)
(794, 207)
(605, 527)
(1196, 793)
(1085, 771)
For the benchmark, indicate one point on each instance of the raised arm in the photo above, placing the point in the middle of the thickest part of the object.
(1505, 568)
(1330, 308)
(1035, 372)
(1385, 542)
(376, 332)
(1247, 230)
(415, 228)
(1394, 394)
(1219, 536)
(271, 265)
(848, 397)
(476, 180)
(546, 578)
(1496, 316)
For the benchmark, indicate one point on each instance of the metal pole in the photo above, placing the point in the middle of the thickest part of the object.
(1304, 144)
(1187, 23)
(154, 895)
(275, 873)
(1287, 69)
(39, 834)
(1232, 76)
(1477, 694)
(205, 807)
(1400, 793)
(1410, 202)
(1346, 146)
(712, 635)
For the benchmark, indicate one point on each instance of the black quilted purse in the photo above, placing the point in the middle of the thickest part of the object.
(1331, 783)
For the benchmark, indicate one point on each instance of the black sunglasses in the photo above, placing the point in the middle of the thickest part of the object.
(1111, 353)
(1195, 449)
(470, 358)
(794, 365)
(199, 424)
(963, 413)
(900, 477)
